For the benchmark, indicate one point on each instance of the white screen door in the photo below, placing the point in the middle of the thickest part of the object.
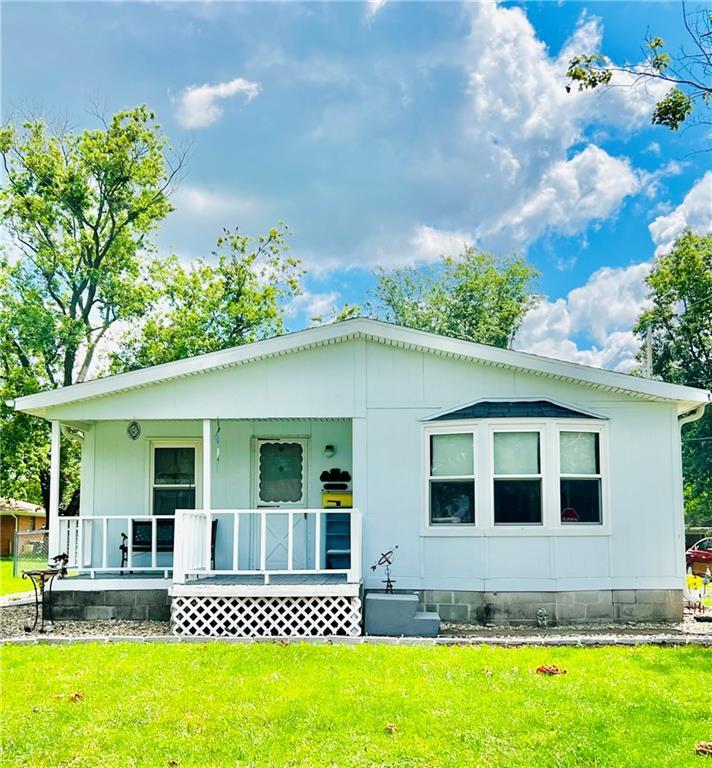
(281, 483)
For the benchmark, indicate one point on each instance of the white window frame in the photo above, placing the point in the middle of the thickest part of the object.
(302, 503)
(539, 429)
(456, 430)
(197, 445)
(483, 432)
(602, 475)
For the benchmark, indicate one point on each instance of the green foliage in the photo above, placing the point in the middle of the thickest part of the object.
(474, 296)
(680, 322)
(688, 73)
(673, 109)
(588, 71)
(279, 705)
(79, 209)
(207, 307)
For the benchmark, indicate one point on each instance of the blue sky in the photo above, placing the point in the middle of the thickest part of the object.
(387, 133)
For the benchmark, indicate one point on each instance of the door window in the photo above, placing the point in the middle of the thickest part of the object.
(281, 472)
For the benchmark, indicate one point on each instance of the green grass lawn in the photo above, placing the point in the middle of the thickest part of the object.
(8, 583)
(304, 705)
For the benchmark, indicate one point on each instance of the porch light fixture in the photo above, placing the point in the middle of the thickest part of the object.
(134, 430)
(329, 451)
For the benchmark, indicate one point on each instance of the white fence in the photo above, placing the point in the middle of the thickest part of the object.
(250, 531)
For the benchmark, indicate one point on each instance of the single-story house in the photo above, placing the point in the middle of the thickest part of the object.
(15, 516)
(250, 490)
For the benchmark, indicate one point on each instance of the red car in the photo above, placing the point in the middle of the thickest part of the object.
(699, 558)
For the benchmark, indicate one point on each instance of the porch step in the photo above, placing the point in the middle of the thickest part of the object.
(397, 615)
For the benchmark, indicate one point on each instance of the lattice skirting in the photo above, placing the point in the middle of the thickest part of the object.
(266, 616)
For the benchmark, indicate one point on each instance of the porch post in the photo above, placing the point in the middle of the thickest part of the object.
(53, 511)
(207, 453)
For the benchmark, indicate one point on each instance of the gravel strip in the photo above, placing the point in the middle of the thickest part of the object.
(14, 618)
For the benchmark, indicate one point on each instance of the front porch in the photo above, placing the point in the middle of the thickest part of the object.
(279, 565)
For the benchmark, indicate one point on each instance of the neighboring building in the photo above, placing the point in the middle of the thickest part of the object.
(511, 484)
(17, 516)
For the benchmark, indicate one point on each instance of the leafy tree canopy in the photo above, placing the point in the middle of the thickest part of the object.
(680, 323)
(210, 306)
(79, 210)
(474, 296)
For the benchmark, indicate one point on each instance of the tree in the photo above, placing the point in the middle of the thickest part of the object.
(474, 296)
(208, 307)
(689, 73)
(680, 324)
(80, 210)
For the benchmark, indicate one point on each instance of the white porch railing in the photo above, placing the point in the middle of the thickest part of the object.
(93, 544)
(194, 543)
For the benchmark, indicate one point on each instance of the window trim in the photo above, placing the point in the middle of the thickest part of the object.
(441, 478)
(539, 429)
(197, 445)
(603, 474)
(484, 526)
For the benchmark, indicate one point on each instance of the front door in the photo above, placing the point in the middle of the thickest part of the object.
(281, 483)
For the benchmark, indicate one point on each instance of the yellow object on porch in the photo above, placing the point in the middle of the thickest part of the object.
(340, 499)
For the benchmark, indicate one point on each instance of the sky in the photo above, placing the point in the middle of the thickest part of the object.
(389, 133)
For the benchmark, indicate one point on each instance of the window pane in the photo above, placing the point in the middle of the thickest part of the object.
(451, 455)
(167, 500)
(579, 453)
(174, 466)
(517, 501)
(581, 501)
(452, 502)
(280, 472)
(516, 453)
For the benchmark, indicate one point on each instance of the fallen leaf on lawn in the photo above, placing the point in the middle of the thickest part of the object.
(172, 762)
(76, 697)
(550, 669)
(282, 643)
(391, 728)
(704, 748)
(488, 672)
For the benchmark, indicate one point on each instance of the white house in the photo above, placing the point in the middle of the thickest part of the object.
(510, 483)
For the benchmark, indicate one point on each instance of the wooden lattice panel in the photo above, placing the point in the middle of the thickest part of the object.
(266, 616)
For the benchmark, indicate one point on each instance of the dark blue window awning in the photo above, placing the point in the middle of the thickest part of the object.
(502, 409)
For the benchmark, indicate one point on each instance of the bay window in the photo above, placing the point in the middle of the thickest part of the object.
(580, 477)
(517, 478)
(451, 482)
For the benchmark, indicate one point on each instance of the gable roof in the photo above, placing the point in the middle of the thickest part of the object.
(378, 331)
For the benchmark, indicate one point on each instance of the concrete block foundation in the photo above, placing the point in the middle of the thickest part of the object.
(133, 604)
(571, 607)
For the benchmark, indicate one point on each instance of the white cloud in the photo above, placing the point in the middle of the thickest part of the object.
(429, 244)
(513, 164)
(315, 306)
(373, 8)
(199, 107)
(572, 194)
(604, 310)
(196, 202)
(695, 213)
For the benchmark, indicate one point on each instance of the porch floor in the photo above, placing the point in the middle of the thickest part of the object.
(280, 585)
